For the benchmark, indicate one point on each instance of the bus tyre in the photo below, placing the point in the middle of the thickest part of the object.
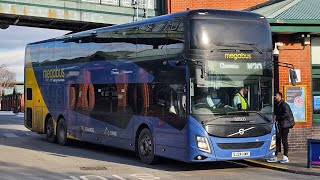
(146, 147)
(62, 132)
(51, 137)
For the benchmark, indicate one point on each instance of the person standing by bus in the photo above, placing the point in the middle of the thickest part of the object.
(239, 100)
(283, 115)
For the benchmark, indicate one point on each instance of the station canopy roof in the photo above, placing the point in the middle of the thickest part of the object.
(7, 91)
(291, 16)
(18, 89)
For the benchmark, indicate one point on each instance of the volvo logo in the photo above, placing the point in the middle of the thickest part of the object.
(240, 132)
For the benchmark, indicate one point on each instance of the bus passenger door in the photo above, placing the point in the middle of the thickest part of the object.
(28, 120)
(170, 131)
(38, 118)
(34, 110)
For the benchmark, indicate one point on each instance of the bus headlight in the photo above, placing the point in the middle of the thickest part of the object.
(273, 142)
(203, 144)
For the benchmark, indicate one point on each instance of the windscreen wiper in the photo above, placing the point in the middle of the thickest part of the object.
(220, 115)
(218, 48)
(263, 116)
(253, 46)
(243, 113)
(212, 119)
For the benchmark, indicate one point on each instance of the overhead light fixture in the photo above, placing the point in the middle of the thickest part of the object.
(307, 40)
(276, 50)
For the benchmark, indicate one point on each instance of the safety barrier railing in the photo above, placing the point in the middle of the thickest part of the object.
(142, 4)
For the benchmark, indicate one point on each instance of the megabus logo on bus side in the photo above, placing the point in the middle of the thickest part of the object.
(237, 56)
(55, 75)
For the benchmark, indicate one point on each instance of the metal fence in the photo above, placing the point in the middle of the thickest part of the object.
(142, 4)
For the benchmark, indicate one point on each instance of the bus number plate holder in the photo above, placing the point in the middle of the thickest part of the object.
(241, 154)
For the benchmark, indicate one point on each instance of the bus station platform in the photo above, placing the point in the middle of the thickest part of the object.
(297, 164)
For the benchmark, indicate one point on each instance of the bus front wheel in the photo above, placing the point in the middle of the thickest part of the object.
(146, 147)
(51, 137)
(62, 132)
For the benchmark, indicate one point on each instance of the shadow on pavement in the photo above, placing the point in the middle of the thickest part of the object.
(16, 171)
(95, 152)
(109, 154)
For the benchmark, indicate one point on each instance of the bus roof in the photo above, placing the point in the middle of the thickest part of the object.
(191, 14)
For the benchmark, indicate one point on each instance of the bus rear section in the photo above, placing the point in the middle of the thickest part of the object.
(35, 106)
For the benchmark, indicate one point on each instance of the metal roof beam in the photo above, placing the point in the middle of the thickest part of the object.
(294, 29)
(287, 21)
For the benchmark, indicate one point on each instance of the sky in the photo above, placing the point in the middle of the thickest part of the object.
(13, 41)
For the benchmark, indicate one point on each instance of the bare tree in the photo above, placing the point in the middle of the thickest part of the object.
(7, 78)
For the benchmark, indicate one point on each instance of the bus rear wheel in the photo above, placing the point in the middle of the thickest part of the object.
(51, 137)
(62, 132)
(146, 147)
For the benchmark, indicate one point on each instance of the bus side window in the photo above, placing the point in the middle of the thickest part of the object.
(151, 40)
(170, 98)
(29, 94)
(162, 93)
(80, 49)
(175, 44)
(124, 41)
(46, 53)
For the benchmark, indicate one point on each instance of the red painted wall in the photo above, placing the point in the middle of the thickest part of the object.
(294, 52)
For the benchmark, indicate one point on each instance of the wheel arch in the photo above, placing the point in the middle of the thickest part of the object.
(46, 122)
(59, 118)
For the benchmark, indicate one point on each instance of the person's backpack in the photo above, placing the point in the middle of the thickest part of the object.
(288, 122)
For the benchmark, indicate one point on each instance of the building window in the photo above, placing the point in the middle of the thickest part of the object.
(111, 2)
(315, 84)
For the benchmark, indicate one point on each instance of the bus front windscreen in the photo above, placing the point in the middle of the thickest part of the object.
(213, 34)
(217, 96)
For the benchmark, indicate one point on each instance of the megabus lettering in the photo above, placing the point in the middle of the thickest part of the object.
(237, 56)
(54, 74)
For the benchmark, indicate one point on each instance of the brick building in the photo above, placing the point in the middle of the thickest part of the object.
(295, 25)
(13, 98)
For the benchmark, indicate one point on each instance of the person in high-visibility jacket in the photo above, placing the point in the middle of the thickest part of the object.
(239, 101)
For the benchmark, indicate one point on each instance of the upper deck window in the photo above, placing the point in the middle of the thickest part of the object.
(214, 34)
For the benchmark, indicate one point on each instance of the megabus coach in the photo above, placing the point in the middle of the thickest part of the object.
(162, 87)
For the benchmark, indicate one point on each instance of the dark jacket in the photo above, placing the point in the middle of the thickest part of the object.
(282, 111)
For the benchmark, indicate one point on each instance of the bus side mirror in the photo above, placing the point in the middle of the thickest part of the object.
(199, 77)
(293, 77)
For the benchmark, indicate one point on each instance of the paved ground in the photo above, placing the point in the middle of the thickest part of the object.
(298, 164)
(26, 155)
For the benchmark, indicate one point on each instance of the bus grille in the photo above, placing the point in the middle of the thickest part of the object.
(239, 131)
(248, 145)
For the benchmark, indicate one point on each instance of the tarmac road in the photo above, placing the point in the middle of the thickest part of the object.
(27, 155)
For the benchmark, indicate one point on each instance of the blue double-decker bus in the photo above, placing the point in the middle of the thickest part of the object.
(162, 87)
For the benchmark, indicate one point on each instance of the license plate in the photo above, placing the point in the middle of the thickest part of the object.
(241, 154)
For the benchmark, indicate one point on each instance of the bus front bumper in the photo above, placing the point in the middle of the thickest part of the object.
(223, 149)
